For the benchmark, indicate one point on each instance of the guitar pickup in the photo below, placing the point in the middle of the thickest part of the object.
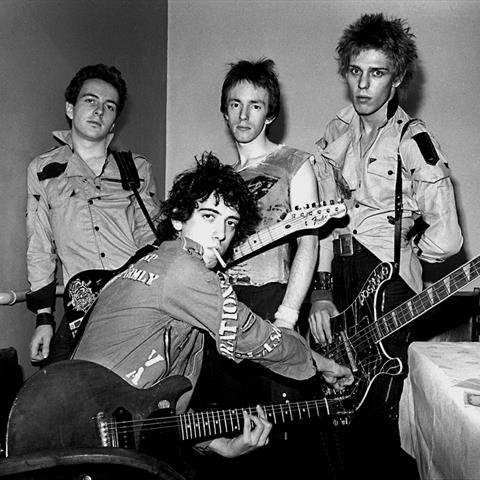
(348, 349)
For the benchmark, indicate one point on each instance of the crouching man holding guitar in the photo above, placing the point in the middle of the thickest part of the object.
(141, 347)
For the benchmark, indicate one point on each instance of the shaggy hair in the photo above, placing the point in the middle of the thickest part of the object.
(390, 35)
(110, 75)
(196, 185)
(261, 74)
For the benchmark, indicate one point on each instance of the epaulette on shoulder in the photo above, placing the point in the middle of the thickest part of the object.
(426, 147)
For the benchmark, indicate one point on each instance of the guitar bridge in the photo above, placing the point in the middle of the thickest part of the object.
(102, 427)
(348, 349)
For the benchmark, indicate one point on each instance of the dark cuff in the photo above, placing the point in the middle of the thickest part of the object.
(322, 281)
(318, 295)
(45, 318)
(43, 298)
(321, 287)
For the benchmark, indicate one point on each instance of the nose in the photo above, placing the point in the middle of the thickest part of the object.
(219, 232)
(364, 81)
(99, 109)
(244, 113)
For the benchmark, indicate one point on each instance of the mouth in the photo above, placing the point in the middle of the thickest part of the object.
(243, 128)
(94, 122)
(362, 99)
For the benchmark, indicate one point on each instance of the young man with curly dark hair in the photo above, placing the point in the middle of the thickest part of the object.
(78, 214)
(358, 159)
(150, 322)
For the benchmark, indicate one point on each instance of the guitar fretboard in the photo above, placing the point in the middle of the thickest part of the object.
(219, 422)
(302, 220)
(427, 299)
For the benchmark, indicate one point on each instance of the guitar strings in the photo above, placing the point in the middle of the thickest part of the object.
(365, 335)
(289, 410)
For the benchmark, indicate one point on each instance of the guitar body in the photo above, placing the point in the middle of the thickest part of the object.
(58, 407)
(83, 289)
(356, 332)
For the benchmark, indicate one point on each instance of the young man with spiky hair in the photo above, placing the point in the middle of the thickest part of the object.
(78, 213)
(150, 322)
(358, 158)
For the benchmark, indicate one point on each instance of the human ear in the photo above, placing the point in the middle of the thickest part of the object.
(177, 225)
(397, 82)
(69, 110)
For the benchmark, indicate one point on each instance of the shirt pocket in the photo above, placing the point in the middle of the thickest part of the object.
(385, 168)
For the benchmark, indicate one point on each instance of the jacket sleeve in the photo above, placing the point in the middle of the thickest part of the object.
(327, 190)
(434, 195)
(41, 255)
(142, 232)
(208, 301)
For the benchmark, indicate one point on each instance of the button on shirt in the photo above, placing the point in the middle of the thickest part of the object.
(368, 183)
(86, 221)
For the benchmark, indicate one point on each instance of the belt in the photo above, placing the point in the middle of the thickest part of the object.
(346, 245)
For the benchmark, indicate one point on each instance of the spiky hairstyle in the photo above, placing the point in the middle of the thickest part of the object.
(374, 31)
(260, 73)
(196, 185)
(110, 75)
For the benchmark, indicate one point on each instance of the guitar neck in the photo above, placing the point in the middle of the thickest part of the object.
(265, 237)
(197, 425)
(427, 299)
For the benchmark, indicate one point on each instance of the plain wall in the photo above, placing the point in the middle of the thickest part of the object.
(43, 44)
(301, 36)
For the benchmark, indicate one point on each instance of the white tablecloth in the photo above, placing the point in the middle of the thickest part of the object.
(436, 426)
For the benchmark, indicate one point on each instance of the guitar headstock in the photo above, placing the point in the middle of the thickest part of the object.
(315, 216)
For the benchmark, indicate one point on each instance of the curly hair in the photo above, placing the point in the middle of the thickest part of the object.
(260, 73)
(196, 185)
(111, 75)
(374, 31)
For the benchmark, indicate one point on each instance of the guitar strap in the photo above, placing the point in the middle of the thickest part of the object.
(131, 180)
(397, 220)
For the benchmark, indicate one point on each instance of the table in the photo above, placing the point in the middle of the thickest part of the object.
(436, 426)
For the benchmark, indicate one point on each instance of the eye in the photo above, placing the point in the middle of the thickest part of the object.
(354, 70)
(88, 100)
(234, 105)
(111, 107)
(232, 224)
(256, 107)
(209, 217)
(378, 73)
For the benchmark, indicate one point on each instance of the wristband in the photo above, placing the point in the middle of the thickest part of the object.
(45, 319)
(286, 316)
(323, 281)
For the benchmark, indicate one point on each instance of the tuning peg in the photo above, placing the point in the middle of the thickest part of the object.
(324, 203)
(307, 205)
(314, 204)
(332, 202)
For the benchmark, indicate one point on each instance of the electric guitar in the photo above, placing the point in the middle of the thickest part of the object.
(83, 288)
(80, 404)
(358, 332)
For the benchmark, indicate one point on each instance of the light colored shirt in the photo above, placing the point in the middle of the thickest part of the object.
(368, 183)
(269, 182)
(82, 220)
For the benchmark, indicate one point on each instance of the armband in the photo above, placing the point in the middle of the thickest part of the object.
(43, 298)
(322, 286)
(322, 281)
(45, 318)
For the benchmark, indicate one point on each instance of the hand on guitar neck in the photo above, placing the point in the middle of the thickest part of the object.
(256, 429)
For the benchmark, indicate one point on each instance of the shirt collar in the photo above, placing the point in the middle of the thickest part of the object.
(75, 166)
